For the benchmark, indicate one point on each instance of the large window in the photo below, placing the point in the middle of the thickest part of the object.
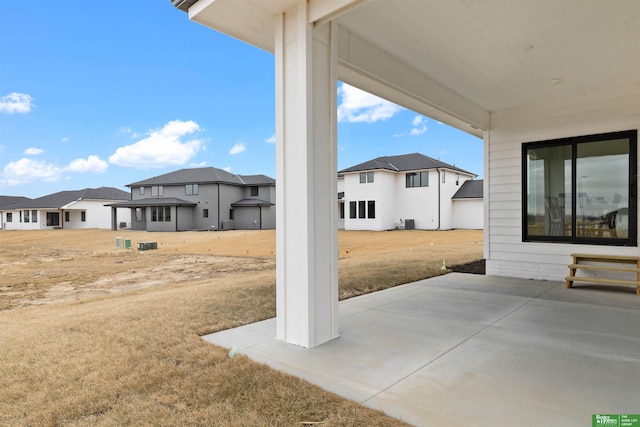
(417, 179)
(366, 177)
(9, 217)
(53, 219)
(254, 191)
(371, 209)
(581, 190)
(83, 216)
(34, 216)
(191, 189)
(160, 213)
(26, 216)
(352, 210)
(157, 190)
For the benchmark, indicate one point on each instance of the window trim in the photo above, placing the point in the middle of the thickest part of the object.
(573, 142)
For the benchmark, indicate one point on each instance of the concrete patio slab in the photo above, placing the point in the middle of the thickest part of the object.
(468, 350)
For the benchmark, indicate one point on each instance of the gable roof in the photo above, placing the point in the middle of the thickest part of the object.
(155, 201)
(62, 198)
(8, 202)
(402, 163)
(208, 175)
(472, 189)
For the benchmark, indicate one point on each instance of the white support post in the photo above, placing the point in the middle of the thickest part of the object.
(306, 198)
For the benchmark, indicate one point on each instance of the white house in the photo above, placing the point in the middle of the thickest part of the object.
(553, 88)
(74, 209)
(406, 191)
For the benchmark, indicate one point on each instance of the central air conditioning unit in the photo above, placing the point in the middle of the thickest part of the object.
(228, 224)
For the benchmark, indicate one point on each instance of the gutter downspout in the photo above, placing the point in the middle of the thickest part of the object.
(439, 190)
(218, 218)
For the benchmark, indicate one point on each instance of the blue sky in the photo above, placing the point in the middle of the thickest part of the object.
(106, 93)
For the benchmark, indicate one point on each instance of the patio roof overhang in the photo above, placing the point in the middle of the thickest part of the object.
(458, 61)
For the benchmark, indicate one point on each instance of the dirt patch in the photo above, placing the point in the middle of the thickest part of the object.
(43, 267)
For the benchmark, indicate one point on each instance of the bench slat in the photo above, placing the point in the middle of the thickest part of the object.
(603, 281)
(604, 268)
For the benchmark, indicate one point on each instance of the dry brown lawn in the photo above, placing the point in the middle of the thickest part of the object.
(94, 335)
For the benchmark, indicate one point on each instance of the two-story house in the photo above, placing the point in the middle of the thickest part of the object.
(405, 191)
(201, 199)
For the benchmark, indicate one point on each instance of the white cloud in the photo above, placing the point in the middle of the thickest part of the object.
(198, 165)
(90, 164)
(238, 148)
(32, 151)
(228, 168)
(65, 139)
(25, 170)
(16, 103)
(359, 106)
(271, 140)
(163, 147)
(419, 125)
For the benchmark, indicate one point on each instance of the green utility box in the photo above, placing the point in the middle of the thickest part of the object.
(145, 246)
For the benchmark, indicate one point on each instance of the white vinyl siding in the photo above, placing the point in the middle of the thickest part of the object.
(506, 254)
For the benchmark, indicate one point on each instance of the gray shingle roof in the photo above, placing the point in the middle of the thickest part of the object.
(404, 162)
(204, 176)
(8, 202)
(62, 198)
(154, 201)
(250, 202)
(470, 190)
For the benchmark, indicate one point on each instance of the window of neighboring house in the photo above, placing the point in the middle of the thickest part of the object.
(157, 190)
(417, 179)
(352, 210)
(581, 190)
(369, 176)
(362, 206)
(139, 214)
(141, 190)
(34, 216)
(83, 216)
(66, 217)
(26, 216)
(191, 189)
(366, 177)
(371, 209)
(443, 174)
(341, 210)
(231, 214)
(254, 191)
(457, 179)
(9, 216)
(160, 213)
(53, 219)
(205, 213)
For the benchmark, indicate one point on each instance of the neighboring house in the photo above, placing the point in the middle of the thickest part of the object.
(405, 191)
(202, 199)
(468, 206)
(8, 203)
(74, 209)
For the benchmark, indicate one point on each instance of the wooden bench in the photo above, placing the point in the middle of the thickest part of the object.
(632, 261)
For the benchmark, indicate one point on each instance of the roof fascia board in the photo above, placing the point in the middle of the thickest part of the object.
(366, 66)
(323, 11)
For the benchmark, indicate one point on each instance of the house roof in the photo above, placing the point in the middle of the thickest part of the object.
(62, 198)
(152, 201)
(402, 163)
(208, 175)
(250, 202)
(8, 202)
(470, 190)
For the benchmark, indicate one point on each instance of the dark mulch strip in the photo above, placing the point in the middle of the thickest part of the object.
(475, 267)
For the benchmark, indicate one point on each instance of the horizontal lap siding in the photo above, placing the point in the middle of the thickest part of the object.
(506, 254)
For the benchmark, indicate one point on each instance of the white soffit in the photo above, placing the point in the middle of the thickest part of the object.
(476, 56)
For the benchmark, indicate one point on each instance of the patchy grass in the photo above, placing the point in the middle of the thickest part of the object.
(135, 357)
